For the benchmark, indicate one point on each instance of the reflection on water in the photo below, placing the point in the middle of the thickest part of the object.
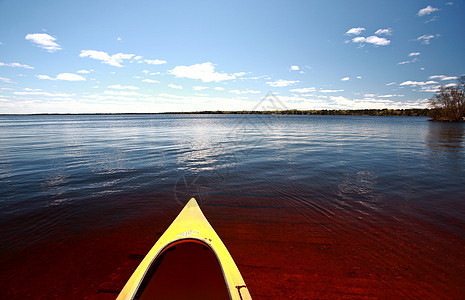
(446, 143)
(445, 137)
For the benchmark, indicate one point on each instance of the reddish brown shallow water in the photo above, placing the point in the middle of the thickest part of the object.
(283, 251)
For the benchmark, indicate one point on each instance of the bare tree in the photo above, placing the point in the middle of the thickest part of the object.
(449, 103)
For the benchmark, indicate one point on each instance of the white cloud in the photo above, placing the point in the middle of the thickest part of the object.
(355, 30)
(425, 39)
(63, 76)
(429, 88)
(282, 83)
(345, 78)
(375, 40)
(155, 61)
(174, 86)
(303, 90)
(295, 68)
(443, 77)
(205, 72)
(83, 71)
(390, 83)
(218, 88)
(123, 87)
(239, 74)
(15, 65)
(6, 80)
(359, 77)
(150, 81)
(387, 31)
(44, 41)
(118, 39)
(417, 83)
(414, 54)
(330, 91)
(70, 77)
(34, 92)
(427, 10)
(113, 60)
(239, 92)
(45, 77)
(123, 93)
(199, 88)
(358, 39)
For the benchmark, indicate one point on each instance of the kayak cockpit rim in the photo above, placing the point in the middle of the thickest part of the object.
(145, 279)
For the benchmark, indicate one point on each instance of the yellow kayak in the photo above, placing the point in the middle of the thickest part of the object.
(189, 261)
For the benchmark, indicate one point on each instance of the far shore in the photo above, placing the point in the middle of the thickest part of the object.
(409, 112)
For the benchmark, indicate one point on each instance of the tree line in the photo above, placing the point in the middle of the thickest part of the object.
(340, 112)
(448, 104)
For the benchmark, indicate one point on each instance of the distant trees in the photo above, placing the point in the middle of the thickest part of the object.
(449, 103)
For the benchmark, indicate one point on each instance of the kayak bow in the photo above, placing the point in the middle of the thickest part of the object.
(189, 261)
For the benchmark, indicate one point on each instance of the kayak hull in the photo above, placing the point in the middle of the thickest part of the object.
(188, 261)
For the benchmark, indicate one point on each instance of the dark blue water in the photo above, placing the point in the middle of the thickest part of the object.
(75, 174)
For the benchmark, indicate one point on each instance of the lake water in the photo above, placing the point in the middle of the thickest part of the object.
(309, 206)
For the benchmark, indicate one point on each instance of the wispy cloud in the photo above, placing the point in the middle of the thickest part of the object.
(6, 80)
(63, 76)
(150, 80)
(426, 11)
(443, 77)
(355, 30)
(415, 59)
(295, 68)
(331, 91)
(123, 93)
(239, 92)
(414, 54)
(174, 86)
(387, 31)
(304, 90)
(375, 40)
(83, 71)
(417, 83)
(345, 78)
(41, 93)
(282, 83)
(155, 61)
(199, 88)
(113, 60)
(15, 65)
(123, 87)
(44, 41)
(205, 72)
(425, 39)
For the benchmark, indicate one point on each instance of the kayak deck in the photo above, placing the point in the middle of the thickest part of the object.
(189, 261)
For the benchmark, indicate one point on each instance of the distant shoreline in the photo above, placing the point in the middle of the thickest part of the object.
(409, 112)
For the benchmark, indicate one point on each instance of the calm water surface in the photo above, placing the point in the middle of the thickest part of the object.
(309, 206)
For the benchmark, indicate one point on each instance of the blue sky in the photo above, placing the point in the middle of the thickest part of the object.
(151, 56)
